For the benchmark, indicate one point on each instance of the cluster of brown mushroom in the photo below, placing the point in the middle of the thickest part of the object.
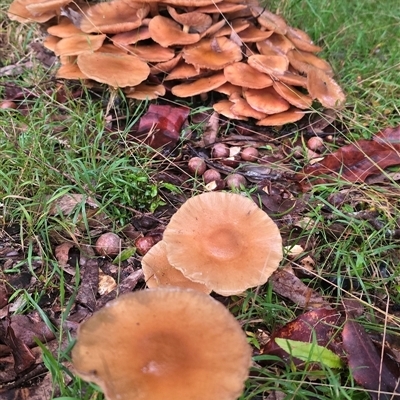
(217, 241)
(266, 69)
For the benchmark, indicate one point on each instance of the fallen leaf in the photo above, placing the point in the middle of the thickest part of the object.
(161, 125)
(317, 327)
(357, 161)
(290, 286)
(366, 365)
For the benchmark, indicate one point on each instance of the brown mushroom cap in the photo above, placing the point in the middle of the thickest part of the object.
(45, 6)
(304, 61)
(213, 54)
(145, 91)
(117, 70)
(158, 272)
(272, 65)
(186, 3)
(301, 40)
(167, 32)
(254, 35)
(286, 117)
(114, 17)
(18, 12)
(325, 89)
(194, 21)
(77, 44)
(163, 344)
(242, 107)
(150, 53)
(225, 241)
(269, 20)
(65, 28)
(182, 71)
(266, 100)
(202, 85)
(224, 107)
(293, 96)
(242, 74)
(131, 37)
(221, 7)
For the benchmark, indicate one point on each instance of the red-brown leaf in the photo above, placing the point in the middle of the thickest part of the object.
(320, 326)
(356, 161)
(162, 125)
(365, 363)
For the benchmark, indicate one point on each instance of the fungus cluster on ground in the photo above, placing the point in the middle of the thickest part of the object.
(163, 344)
(264, 69)
(217, 241)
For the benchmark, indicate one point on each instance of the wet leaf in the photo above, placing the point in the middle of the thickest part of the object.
(357, 161)
(317, 327)
(366, 365)
(162, 125)
(310, 352)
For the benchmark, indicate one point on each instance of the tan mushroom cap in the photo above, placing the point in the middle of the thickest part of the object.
(225, 241)
(224, 107)
(50, 42)
(286, 117)
(167, 32)
(293, 96)
(303, 61)
(242, 107)
(301, 40)
(213, 28)
(269, 20)
(45, 6)
(78, 44)
(182, 71)
(186, 3)
(116, 70)
(291, 78)
(221, 7)
(114, 17)
(272, 65)
(150, 53)
(325, 89)
(165, 344)
(235, 26)
(70, 71)
(145, 91)
(158, 272)
(242, 74)
(202, 85)
(165, 66)
(194, 21)
(229, 89)
(280, 42)
(65, 28)
(254, 35)
(266, 100)
(131, 37)
(213, 54)
(18, 12)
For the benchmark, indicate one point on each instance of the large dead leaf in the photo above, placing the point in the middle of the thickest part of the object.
(366, 365)
(357, 161)
(319, 326)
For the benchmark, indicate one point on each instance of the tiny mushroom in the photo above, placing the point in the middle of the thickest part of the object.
(224, 241)
(165, 344)
(158, 272)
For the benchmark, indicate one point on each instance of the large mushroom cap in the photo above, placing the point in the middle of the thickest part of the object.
(225, 241)
(165, 344)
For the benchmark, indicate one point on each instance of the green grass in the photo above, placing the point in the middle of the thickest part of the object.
(59, 148)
